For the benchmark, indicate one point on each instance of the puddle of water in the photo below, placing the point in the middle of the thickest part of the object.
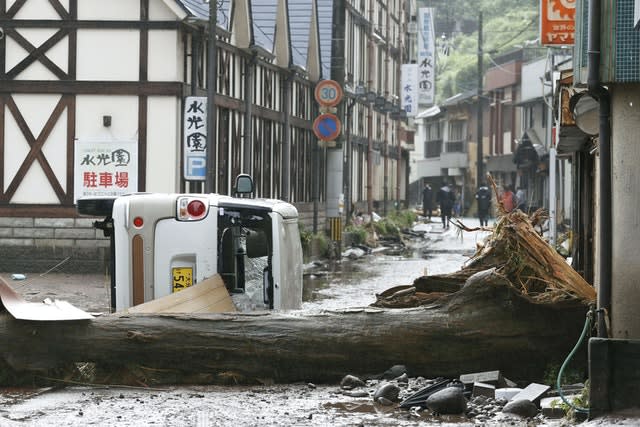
(356, 283)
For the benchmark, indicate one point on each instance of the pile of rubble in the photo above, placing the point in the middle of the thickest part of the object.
(481, 397)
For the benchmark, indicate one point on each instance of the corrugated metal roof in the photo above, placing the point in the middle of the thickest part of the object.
(264, 18)
(300, 13)
(264, 14)
(325, 25)
(199, 9)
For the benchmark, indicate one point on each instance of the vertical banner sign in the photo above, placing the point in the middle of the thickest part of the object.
(426, 57)
(195, 138)
(105, 168)
(557, 22)
(409, 89)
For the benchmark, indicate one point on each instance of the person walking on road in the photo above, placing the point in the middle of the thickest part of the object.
(445, 199)
(427, 201)
(507, 199)
(483, 196)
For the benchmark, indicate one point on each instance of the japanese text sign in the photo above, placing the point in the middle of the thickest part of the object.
(409, 89)
(426, 57)
(557, 22)
(195, 138)
(105, 168)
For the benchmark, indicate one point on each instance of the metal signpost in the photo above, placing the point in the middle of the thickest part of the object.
(327, 128)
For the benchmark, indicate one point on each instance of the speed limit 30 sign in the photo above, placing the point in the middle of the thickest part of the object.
(328, 93)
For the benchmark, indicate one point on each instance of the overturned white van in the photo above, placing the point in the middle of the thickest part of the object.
(164, 243)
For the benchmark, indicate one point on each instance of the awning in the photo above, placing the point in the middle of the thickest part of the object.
(530, 151)
(502, 163)
(429, 112)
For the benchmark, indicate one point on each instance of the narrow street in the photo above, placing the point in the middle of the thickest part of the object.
(354, 283)
(351, 283)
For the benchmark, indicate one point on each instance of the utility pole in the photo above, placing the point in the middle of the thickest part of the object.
(371, 64)
(480, 151)
(212, 75)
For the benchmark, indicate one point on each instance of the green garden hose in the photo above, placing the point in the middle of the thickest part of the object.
(585, 331)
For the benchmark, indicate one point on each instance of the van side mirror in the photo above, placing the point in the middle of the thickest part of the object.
(244, 184)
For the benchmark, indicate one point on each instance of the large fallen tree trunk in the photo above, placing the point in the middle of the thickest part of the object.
(517, 307)
(479, 328)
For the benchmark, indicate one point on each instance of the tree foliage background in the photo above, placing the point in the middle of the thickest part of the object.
(506, 26)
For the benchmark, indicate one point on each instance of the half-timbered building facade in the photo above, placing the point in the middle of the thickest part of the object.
(77, 76)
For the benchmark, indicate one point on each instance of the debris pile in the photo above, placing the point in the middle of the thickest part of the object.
(485, 397)
(514, 254)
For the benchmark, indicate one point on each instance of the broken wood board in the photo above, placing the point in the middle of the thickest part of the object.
(208, 296)
(48, 310)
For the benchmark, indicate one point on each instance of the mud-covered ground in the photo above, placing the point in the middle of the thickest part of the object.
(353, 283)
(282, 405)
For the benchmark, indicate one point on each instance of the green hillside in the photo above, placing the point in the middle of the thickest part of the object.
(507, 24)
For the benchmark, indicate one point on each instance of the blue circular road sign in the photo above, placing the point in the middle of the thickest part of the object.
(327, 127)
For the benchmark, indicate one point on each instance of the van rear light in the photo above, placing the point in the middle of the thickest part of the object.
(138, 222)
(191, 209)
(196, 208)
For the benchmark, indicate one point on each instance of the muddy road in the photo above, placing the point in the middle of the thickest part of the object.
(351, 283)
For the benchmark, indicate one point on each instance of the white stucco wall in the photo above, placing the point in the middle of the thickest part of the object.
(37, 9)
(163, 144)
(122, 109)
(165, 10)
(116, 10)
(165, 56)
(108, 55)
(163, 118)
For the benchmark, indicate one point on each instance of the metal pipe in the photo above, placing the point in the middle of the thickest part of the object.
(347, 169)
(248, 115)
(480, 150)
(553, 211)
(370, 71)
(604, 188)
(286, 142)
(212, 76)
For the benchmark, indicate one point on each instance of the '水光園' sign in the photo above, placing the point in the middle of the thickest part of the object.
(105, 168)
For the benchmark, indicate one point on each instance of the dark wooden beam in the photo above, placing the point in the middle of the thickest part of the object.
(102, 25)
(15, 7)
(92, 87)
(36, 54)
(3, 102)
(36, 149)
(142, 143)
(71, 137)
(64, 14)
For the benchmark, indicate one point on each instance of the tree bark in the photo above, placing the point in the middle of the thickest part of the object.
(487, 325)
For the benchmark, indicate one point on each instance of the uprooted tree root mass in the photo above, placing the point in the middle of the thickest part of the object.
(516, 255)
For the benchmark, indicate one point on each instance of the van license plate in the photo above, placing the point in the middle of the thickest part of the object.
(182, 278)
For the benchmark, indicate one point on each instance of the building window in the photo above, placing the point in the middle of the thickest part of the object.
(456, 130)
(528, 117)
(433, 131)
(433, 143)
(433, 149)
